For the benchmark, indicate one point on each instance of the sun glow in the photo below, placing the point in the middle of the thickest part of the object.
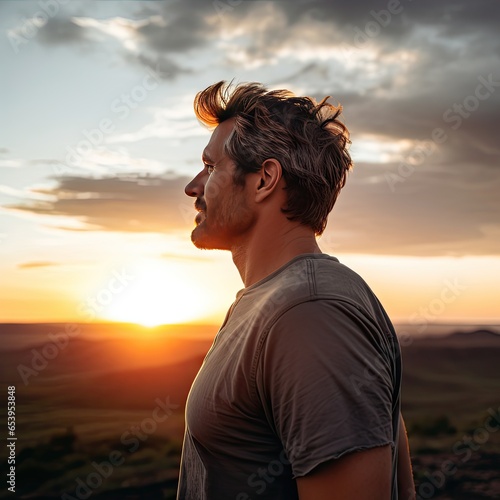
(160, 293)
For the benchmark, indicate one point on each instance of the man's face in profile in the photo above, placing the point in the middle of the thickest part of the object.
(224, 215)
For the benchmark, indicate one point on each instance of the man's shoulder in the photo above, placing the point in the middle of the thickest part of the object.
(310, 277)
(332, 277)
(319, 276)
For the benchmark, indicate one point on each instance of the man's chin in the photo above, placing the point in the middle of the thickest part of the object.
(202, 240)
(199, 238)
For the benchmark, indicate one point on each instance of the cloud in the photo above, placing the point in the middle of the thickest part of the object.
(175, 31)
(458, 18)
(418, 218)
(102, 160)
(166, 68)
(415, 71)
(396, 81)
(36, 264)
(62, 31)
(172, 122)
(177, 27)
(11, 163)
(433, 212)
(415, 116)
(22, 162)
(129, 203)
(30, 194)
(177, 256)
(364, 48)
(136, 47)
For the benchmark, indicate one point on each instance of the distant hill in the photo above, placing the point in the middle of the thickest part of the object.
(421, 329)
(16, 336)
(477, 336)
(457, 373)
(459, 338)
(70, 356)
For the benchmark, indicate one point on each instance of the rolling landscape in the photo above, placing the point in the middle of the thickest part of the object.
(100, 414)
(109, 213)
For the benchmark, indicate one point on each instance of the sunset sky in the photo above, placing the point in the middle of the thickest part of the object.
(98, 139)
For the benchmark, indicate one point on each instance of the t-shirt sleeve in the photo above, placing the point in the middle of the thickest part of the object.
(326, 383)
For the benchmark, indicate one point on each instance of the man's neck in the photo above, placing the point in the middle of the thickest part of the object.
(263, 254)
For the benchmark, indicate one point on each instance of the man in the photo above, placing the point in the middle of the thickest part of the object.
(299, 395)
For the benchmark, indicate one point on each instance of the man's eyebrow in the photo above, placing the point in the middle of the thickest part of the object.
(206, 157)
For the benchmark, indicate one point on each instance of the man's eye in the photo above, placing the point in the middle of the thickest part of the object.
(210, 168)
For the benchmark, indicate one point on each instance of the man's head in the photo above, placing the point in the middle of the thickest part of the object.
(303, 137)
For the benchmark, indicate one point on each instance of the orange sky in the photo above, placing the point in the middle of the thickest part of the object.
(96, 149)
(153, 291)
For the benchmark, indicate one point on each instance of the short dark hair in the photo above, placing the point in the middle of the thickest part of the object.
(306, 137)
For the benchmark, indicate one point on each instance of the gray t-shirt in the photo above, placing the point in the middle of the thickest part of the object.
(305, 368)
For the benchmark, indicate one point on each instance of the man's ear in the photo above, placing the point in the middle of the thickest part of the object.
(268, 179)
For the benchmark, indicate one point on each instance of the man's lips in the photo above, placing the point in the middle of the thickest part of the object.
(200, 216)
(201, 207)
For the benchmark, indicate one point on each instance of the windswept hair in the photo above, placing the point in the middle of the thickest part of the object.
(306, 137)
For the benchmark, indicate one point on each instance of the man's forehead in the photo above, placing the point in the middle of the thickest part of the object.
(218, 139)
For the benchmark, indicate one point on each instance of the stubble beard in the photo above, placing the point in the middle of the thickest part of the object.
(199, 237)
(224, 234)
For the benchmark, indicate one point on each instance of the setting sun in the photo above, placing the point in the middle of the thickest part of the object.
(158, 294)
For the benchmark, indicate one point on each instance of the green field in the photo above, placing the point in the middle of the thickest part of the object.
(85, 419)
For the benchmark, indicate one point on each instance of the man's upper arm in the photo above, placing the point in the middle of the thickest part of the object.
(406, 486)
(326, 385)
(361, 475)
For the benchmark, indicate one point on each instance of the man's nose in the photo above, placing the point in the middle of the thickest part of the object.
(196, 187)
